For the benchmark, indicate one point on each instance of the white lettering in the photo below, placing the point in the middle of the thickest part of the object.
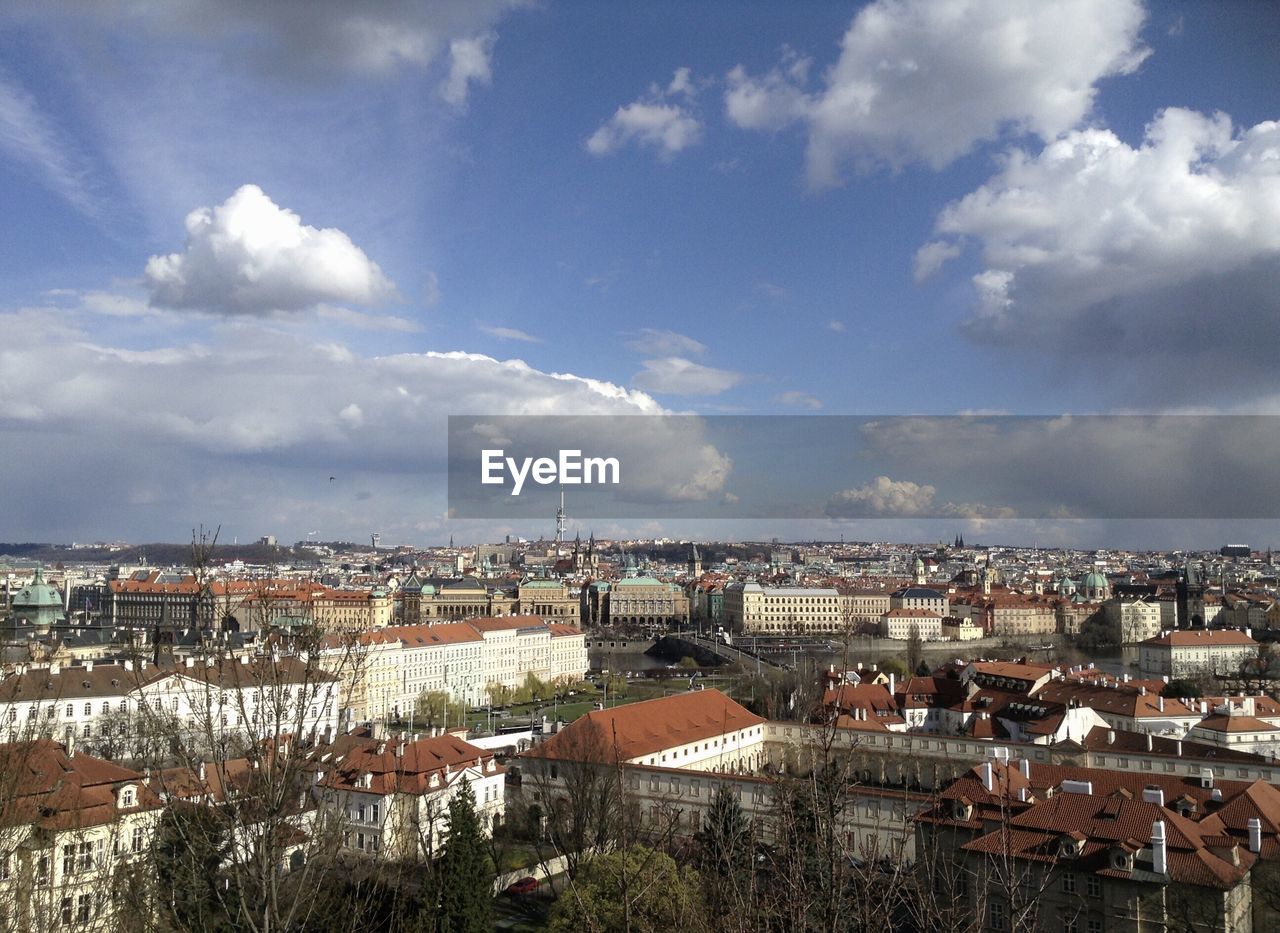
(518, 474)
(491, 460)
(600, 464)
(570, 462)
(568, 469)
(544, 471)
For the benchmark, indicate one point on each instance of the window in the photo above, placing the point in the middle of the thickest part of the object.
(1069, 882)
(84, 908)
(1095, 926)
(71, 710)
(138, 840)
(42, 870)
(1093, 886)
(127, 797)
(996, 916)
(88, 709)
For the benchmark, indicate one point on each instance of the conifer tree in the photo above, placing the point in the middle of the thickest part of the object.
(466, 874)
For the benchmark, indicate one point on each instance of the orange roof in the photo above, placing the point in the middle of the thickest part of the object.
(638, 729)
(1202, 637)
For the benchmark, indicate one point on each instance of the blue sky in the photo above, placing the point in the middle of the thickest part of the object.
(896, 207)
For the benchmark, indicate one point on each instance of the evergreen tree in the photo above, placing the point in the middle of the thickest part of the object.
(466, 874)
(725, 855)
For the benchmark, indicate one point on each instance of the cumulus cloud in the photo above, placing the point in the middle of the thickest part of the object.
(926, 80)
(883, 496)
(655, 342)
(798, 399)
(674, 375)
(1168, 249)
(655, 121)
(250, 256)
(890, 498)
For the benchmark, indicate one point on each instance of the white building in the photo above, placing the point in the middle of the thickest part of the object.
(392, 794)
(1189, 652)
(899, 624)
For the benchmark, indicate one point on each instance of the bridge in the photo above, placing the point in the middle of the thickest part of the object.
(708, 651)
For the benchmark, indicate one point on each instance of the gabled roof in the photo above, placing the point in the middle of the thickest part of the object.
(638, 729)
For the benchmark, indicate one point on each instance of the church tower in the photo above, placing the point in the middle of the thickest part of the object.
(695, 563)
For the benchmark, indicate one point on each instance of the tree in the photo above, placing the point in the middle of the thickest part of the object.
(915, 648)
(1182, 689)
(465, 875)
(436, 708)
(725, 857)
(894, 666)
(636, 889)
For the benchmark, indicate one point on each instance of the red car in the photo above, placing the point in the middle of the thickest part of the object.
(526, 885)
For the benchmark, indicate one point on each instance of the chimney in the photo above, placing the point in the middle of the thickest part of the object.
(202, 772)
(1255, 835)
(873, 668)
(128, 665)
(1142, 691)
(191, 662)
(1177, 747)
(71, 742)
(1111, 736)
(1158, 852)
(1025, 767)
(891, 683)
(1152, 794)
(1150, 742)
(988, 781)
(1160, 704)
(88, 666)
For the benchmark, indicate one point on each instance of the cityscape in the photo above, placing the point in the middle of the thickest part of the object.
(474, 465)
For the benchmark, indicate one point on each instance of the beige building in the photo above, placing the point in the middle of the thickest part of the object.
(646, 601)
(1138, 619)
(782, 610)
(74, 824)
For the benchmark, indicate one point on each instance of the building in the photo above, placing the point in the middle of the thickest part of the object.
(1180, 653)
(386, 671)
(920, 597)
(703, 730)
(1025, 846)
(72, 824)
(782, 610)
(1137, 618)
(904, 623)
(646, 601)
(391, 794)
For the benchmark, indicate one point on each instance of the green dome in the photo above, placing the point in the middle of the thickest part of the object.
(37, 595)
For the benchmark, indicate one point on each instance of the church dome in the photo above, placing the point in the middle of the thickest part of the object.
(37, 595)
(1095, 585)
(1066, 586)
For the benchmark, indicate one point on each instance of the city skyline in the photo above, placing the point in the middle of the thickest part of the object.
(251, 261)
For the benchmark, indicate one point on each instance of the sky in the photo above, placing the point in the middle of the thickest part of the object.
(252, 255)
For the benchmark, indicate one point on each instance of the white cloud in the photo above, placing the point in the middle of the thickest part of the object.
(654, 342)
(266, 415)
(651, 121)
(470, 62)
(798, 399)
(931, 257)
(674, 375)
(836, 326)
(29, 137)
(1094, 246)
(508, 333)
(249, 256)
(926, 80)
(883, 496)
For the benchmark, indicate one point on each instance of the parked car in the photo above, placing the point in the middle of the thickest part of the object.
(523, 886)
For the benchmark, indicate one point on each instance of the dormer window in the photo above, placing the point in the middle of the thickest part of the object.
(128, 797)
